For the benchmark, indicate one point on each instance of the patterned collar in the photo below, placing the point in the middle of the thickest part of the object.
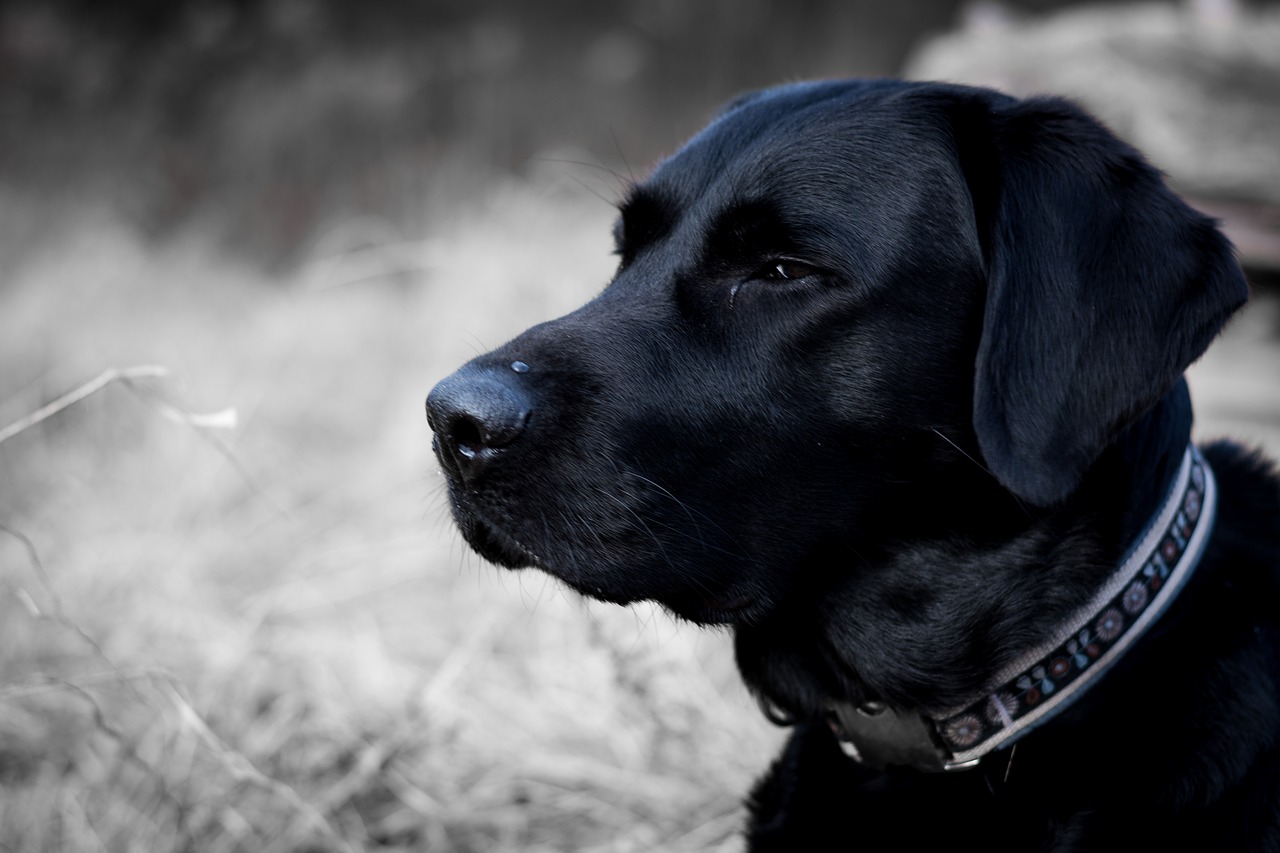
(1049, 677)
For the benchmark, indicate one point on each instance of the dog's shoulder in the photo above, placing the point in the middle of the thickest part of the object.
(1249, 492)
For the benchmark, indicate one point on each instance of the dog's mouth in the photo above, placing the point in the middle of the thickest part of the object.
(495, 544)
(699, 604)
(636, 542)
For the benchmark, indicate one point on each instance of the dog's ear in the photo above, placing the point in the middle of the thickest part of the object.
(1102, 286)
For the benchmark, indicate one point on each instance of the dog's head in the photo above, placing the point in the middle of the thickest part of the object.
(848, 317)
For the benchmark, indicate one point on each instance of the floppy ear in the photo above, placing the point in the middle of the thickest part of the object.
(1102, 286)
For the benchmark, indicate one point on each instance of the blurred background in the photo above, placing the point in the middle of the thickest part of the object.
(241, 239)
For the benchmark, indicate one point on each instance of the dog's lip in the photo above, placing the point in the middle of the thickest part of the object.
(510, 546)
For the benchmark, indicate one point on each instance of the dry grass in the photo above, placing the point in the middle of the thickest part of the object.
(256, 629)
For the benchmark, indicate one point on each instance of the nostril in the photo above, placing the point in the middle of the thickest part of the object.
(471, 434)
(473, 413)
(466, 433)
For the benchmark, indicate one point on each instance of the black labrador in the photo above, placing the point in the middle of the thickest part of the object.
(889, 380)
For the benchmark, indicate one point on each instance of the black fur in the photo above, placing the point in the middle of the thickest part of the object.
(888, 378)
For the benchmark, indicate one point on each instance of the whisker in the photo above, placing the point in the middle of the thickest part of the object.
(690, 512)
(691, 572)
(984, 468)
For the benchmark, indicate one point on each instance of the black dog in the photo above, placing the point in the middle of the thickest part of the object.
(889, 380)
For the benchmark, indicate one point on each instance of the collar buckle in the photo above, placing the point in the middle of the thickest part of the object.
(876, 736)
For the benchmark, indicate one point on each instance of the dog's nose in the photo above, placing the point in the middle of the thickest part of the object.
(474, 413)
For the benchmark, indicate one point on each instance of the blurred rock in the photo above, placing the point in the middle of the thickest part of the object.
(1195, 86)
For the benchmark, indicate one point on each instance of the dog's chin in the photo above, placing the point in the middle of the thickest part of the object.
(724, 610)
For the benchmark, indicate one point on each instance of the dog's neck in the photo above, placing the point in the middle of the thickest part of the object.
(1146, 458)
(1165, 515)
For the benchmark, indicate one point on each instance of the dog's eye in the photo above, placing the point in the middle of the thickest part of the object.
(784, 269)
